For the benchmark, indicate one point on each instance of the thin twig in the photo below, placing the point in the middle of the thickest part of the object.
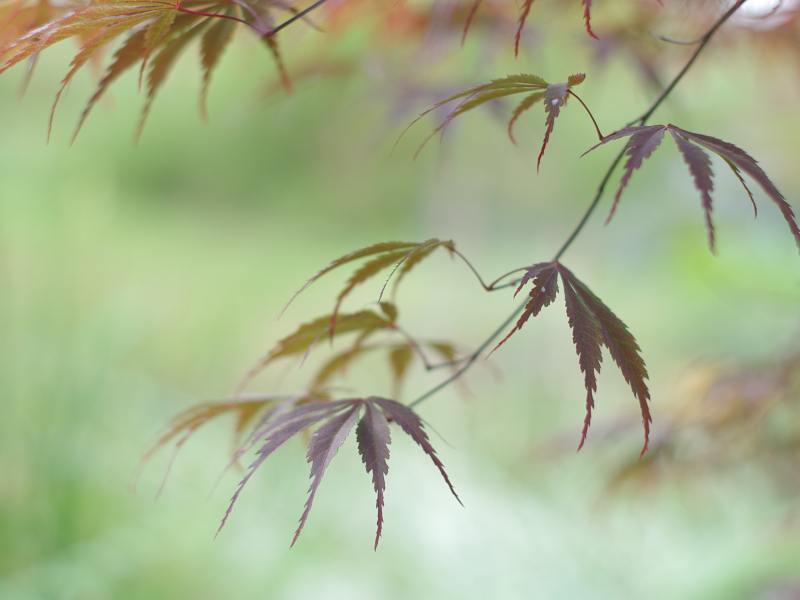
(299, 15)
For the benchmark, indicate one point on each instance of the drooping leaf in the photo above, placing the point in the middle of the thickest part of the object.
(523, 16)
(593, 325)
(322, 447)
(587, 337)
(644, 140)
(372, 435)
(278, 433)
(367, 271)
(620, 343)
(737, 157)
(409, 422)
(362, 253)
(373, 445)
(699, 165)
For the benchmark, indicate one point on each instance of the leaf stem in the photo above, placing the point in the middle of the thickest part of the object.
(472, 357)
(591, 116)
(491, 287)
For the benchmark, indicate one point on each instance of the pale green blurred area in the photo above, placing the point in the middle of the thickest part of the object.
(136, 281)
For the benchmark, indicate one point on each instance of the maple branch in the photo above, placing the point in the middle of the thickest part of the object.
(299, 15)
(703, 42)
(470, 360)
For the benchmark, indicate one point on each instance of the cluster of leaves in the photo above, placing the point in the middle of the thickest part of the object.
(159, 30)
(593, 325)
(274, 419)
(280, 418)
(728, 416)
(402, 257)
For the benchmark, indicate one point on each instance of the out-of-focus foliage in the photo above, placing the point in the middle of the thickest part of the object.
(157, 33)
(730, 415)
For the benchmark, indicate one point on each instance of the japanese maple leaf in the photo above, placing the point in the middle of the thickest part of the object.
(337, 419)
(645, 139)
(593, 326)
(553, 95)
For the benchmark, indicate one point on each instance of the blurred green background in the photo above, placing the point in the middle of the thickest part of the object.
(137, 281)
